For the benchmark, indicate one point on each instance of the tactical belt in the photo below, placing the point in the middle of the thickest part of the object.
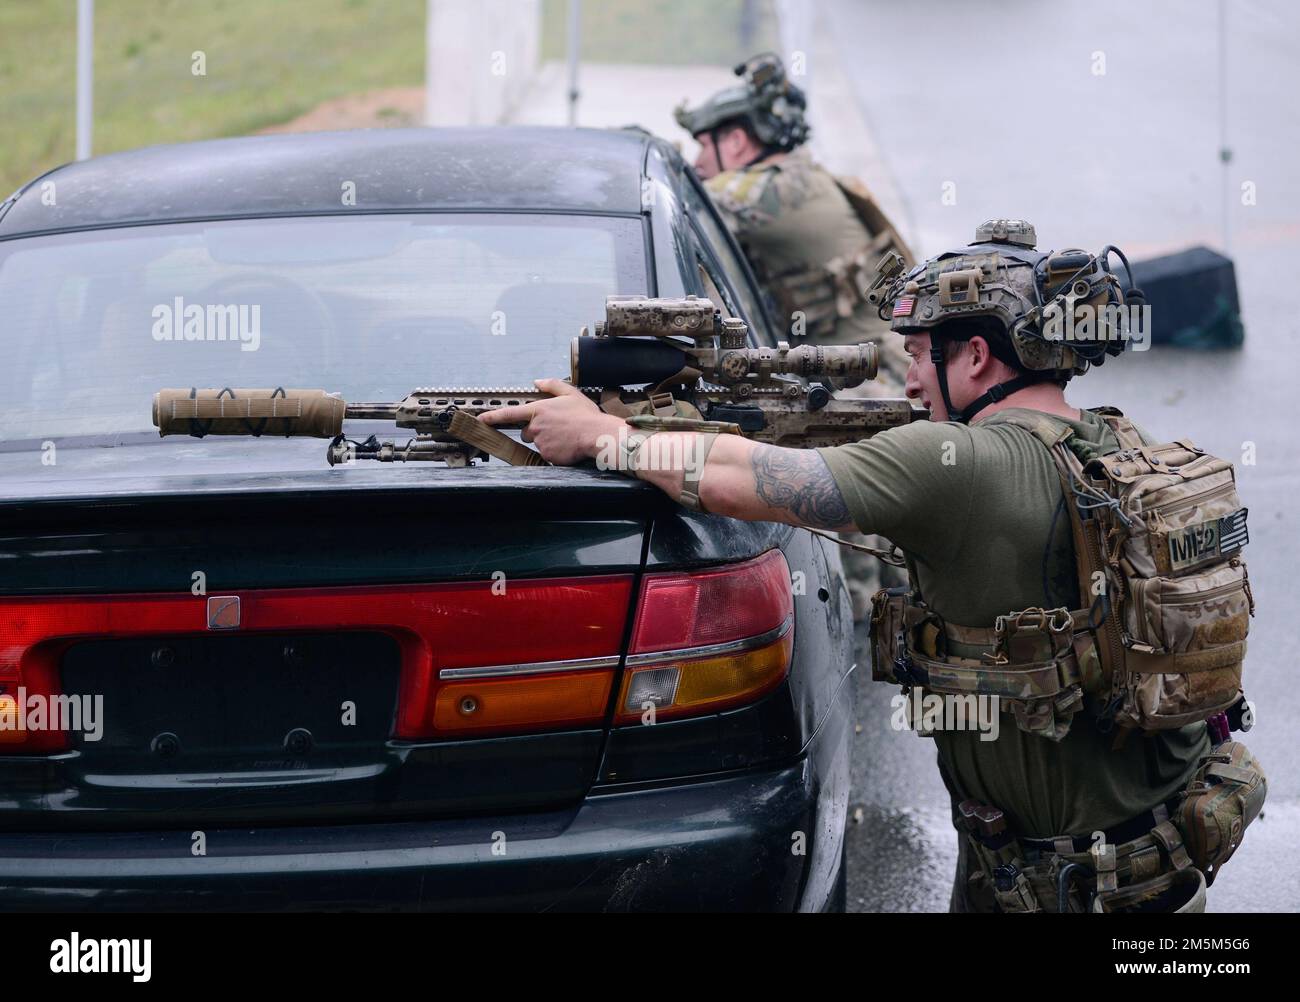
(1126, 831)
(1135, 858)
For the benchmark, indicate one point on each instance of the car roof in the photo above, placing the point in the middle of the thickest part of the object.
(506, 168)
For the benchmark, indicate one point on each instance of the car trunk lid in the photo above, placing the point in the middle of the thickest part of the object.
(303, 644)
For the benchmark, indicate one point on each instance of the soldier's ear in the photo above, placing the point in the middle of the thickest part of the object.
(980, 356)
(735, 139)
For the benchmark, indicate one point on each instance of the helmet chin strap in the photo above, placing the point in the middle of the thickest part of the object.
(993, 395)
(717, 150)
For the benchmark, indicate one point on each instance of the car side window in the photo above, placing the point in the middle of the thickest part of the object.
(711, 287)
(718, 253)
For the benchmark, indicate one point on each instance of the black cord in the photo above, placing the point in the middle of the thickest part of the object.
(1112, 249)
(1063, 885)
(1048, 602)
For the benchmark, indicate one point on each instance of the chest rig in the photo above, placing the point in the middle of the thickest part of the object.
(1159, 638)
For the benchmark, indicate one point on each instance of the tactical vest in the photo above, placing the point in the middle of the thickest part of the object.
(835, 289)
(1160, 637)
(823, 292)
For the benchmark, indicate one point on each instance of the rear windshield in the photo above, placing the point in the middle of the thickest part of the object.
(369, 306)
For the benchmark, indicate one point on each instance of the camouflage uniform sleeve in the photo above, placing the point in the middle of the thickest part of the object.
(747, 199)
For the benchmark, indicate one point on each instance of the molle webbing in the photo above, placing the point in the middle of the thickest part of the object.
(831, 292)
(1031, 656)
(1158, 531)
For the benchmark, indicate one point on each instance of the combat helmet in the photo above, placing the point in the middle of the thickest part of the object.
(1056, 313)
(766, 101)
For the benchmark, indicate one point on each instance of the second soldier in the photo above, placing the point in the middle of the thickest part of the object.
(813, 239)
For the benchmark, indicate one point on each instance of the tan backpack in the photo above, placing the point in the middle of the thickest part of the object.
(1158, 535)
(1160, 637)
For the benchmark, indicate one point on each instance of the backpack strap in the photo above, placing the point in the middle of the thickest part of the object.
(1124, 430)
(1089, 550)
(1041, 426)
(872, 217)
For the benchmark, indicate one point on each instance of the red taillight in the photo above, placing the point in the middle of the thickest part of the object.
(478, 658)
(541, 653)
(709, 640)
(542, 656)
(29, 717)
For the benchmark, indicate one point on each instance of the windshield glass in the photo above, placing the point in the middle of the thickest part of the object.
(370, 306)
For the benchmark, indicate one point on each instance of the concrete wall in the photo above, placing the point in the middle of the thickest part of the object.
(482, 58)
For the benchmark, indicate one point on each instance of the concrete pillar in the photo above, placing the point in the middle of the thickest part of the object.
(480, 59)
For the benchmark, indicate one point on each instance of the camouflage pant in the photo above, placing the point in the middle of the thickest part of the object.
(1148, 892)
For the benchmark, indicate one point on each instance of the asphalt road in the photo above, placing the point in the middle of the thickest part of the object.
(999, 107)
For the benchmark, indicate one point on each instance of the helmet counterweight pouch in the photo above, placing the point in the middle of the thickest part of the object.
(1158, 533)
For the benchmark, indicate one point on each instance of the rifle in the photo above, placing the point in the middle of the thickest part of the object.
(698, 371)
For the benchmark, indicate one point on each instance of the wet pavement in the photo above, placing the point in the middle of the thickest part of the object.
(1002, 113)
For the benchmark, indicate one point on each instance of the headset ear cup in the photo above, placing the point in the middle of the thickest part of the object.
(1135, 302)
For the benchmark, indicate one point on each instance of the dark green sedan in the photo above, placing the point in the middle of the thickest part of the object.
(235, 678)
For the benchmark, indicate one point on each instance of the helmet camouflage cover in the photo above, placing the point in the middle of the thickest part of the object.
(1034, 295)
(766, 101)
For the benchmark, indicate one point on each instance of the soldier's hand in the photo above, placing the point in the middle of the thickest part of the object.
(566, 429)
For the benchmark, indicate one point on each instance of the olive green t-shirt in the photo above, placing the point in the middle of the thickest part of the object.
(979, 513)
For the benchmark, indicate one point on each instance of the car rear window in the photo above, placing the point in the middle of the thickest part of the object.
(370, 306)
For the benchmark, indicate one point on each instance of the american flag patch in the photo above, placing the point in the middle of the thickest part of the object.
(1232, 531)
(904, 305)
(1209, 540)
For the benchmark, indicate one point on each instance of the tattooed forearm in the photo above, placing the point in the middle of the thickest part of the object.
(800, 482)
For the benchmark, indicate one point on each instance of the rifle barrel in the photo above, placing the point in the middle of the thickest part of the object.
(371, 411)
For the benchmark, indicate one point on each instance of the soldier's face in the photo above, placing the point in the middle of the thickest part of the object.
(706, 163)
(733, 149)
(922, 383)
(971, 370)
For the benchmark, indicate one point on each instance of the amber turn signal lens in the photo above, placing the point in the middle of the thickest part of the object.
(538, 702)
(10, 732)
(707, 685)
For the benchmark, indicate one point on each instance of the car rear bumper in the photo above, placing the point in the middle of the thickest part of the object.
(729, 843)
